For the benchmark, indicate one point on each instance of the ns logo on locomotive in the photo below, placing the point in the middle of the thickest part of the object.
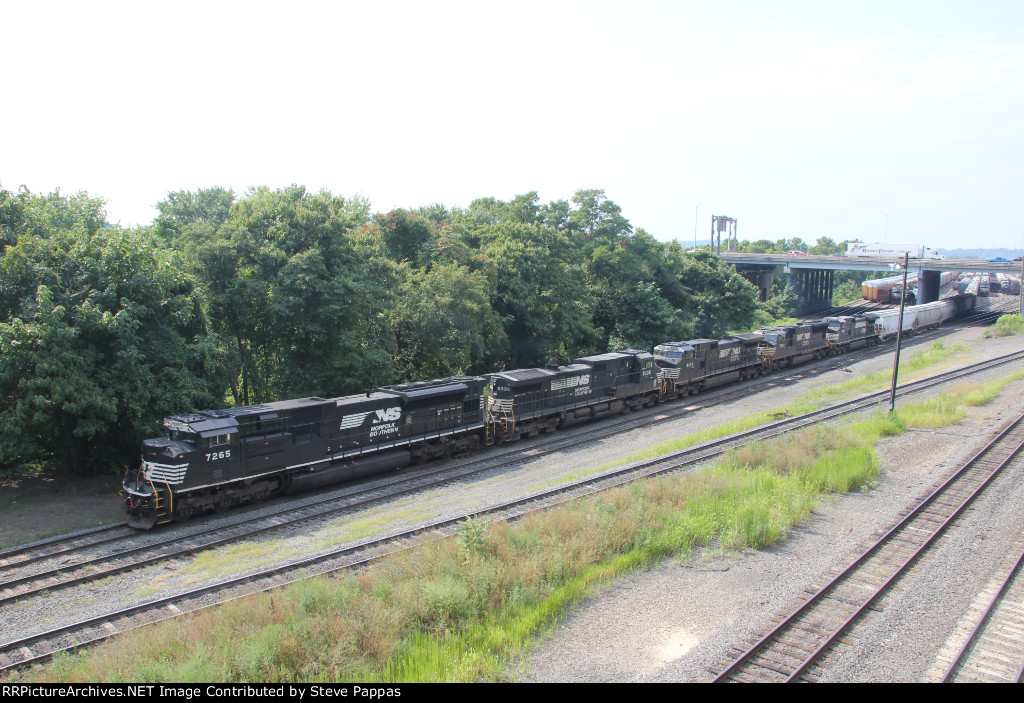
(216, 459)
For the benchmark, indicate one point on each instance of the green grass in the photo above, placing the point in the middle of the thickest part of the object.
(460, 609)
(911, 367)
(1006, 326)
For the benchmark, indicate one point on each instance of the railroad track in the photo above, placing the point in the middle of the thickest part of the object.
(793, 649)
(39, 647)
(993, 652)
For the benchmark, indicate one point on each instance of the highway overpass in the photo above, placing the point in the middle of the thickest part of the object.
(811, 276)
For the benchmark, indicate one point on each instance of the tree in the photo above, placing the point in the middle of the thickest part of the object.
(826, 246)
(210, 206)
(401, 235)
(443, 322)
(598, 219)
(101, 337)
(711, 296)
(625, 278)
(12, 216)
(761, 246)
(299, 308)
(540, 295)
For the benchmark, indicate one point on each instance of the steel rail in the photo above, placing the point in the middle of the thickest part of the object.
(818, 596)
(983, 619)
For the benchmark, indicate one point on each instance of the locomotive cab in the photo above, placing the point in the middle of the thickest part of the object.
(165, 462)
(196, 449)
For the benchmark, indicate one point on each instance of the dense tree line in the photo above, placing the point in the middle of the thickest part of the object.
(229, 299)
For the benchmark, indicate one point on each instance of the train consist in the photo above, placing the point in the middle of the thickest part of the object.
(216, 459)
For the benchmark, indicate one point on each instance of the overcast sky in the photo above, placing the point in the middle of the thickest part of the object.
(828, 117)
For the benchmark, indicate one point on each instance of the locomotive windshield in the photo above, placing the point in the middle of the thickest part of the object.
(178, 430)
(181, 435)
(669, 352)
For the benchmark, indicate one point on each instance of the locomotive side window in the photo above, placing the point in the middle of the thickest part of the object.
(220, 439)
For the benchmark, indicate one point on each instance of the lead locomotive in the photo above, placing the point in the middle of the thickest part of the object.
(215, 459)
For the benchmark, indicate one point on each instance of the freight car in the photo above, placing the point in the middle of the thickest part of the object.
(919, 317)
(216, 459)
(880, 290)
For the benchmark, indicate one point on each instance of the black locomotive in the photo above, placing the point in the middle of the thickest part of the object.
(529, 401)
(215, 459)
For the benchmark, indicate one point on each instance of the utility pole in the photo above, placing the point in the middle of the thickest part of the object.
(899, 335)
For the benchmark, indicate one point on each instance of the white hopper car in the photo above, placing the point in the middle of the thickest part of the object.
(919, 317)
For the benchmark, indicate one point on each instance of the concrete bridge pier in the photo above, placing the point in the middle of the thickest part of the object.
(929, 285)
(813, 289)
(760, 276)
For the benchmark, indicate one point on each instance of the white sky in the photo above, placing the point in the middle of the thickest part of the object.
(825, 117)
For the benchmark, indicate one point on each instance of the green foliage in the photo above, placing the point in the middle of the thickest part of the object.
(540, 294)
(779, 306)
(443, 322)
(1006, 326)
(472, 537)
(712, 293)
(401, 235)
(100, 337)
(299, 310)
(846, 292)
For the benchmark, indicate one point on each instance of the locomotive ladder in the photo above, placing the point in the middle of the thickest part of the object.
(162, 515)
(502, 419)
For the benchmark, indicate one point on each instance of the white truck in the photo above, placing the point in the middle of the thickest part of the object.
(916, 251)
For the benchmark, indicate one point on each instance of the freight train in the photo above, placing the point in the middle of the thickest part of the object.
(216, 459)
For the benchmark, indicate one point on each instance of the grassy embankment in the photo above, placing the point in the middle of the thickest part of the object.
(458, 609)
